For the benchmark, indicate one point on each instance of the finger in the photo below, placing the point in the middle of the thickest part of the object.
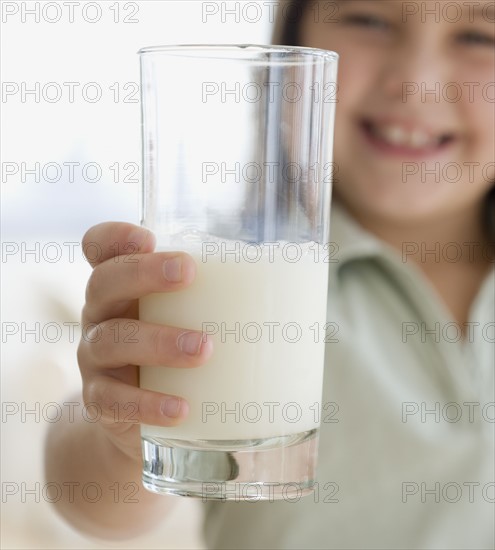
(107, 240)
(119, 342)
(114, 284)
(113, 401)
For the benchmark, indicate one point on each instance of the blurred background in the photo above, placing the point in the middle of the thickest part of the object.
(70, 158)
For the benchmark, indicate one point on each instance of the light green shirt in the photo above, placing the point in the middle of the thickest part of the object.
(408, 459)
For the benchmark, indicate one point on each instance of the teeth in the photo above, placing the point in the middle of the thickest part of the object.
(399, 136)
(395, 135)
(419, 139)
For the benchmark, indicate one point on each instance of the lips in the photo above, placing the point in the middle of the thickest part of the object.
(407, 139)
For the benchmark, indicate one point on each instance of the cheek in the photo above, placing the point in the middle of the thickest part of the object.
(354, 92)
(481, 125)
(357, 63)
(356, 77)
(470, 89)
(477, 110)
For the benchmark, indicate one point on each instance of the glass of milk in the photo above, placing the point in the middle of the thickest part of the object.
(237, 170)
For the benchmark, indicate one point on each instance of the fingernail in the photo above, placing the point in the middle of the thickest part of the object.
(171, 407)
(190, 342)
(172, 270)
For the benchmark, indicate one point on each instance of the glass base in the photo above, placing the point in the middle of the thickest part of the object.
(256, 469)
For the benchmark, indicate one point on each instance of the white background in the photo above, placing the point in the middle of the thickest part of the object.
(46, 130)
(43, 291)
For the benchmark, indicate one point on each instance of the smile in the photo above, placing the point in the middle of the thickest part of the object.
(406, 140)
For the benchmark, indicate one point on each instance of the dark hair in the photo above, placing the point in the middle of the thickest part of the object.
(287, 33)
(489, 213)
(288, 22)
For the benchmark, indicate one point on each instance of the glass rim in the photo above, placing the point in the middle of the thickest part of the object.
(182, 50)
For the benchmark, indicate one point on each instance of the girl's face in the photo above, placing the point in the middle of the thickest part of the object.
(415, 131)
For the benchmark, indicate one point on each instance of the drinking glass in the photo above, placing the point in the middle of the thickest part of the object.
(237, 168)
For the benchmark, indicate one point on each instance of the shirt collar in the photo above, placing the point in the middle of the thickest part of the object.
(350, 241)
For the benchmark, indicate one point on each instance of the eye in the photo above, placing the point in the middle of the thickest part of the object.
(366, 21)
(473, 38)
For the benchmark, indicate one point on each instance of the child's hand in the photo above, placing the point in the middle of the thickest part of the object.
(124, 269)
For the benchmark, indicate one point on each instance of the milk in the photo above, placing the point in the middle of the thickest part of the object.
(264, 306)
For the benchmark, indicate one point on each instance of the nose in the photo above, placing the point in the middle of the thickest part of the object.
(415, 70)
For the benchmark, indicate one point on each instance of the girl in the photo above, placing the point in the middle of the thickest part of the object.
(406, 455)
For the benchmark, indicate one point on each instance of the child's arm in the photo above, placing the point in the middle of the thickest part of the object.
(103, 495)
(99, 463)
